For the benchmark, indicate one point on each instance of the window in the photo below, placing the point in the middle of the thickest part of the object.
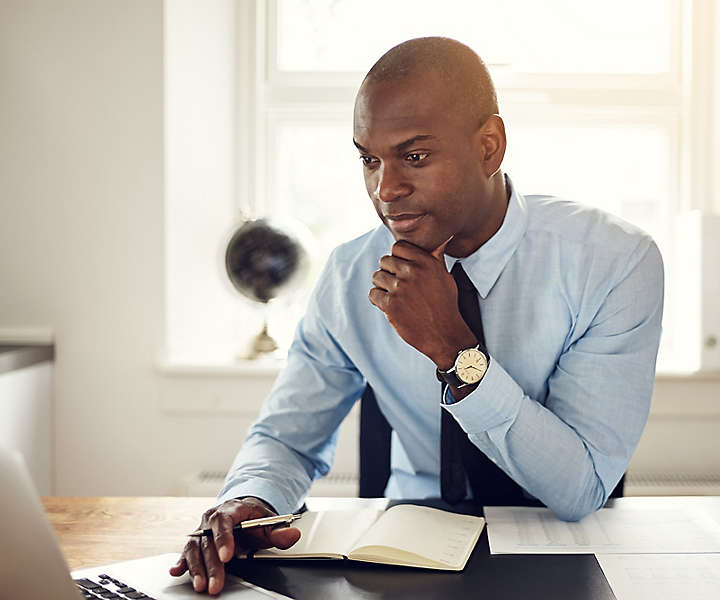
(606, 105)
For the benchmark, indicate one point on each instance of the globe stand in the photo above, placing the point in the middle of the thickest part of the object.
(263, 344)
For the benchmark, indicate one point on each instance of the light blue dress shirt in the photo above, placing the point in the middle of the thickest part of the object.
(571, 301)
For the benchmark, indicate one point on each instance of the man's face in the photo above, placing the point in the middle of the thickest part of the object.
(420, 161)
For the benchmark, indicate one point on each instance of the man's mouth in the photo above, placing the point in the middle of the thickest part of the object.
(404, 222)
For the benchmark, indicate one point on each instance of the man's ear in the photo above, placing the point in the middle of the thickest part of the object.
(490, 144)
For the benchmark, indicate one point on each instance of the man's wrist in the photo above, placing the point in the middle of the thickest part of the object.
(265, 503)
(452, 346)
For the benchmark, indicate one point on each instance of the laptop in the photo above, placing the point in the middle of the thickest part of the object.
(32, 564)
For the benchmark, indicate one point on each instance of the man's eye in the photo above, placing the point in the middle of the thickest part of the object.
(416, 156)
(367, 160)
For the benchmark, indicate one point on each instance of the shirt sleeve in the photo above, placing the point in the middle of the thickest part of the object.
(293, 441)
(571, 451)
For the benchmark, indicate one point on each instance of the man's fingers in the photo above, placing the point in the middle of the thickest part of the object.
(229, 514)
(269, 537)
(207, 571)
(399, 267)
(213, 565)
(195, 565)
(378, 298)
(410, 252)
(284, 537)
(406, 251)
(384, 280)
(440, 250)
(222, 527)
(204, 558)
(179, 567)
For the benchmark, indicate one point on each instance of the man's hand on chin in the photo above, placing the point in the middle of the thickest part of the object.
(419, 298)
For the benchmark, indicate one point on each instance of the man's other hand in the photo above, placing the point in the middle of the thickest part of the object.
(419, 298)
(205, 557)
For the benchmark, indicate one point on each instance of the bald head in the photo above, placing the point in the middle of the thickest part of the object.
(462, 71)
(431, 145)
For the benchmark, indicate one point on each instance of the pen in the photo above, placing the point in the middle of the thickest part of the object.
(276, 520)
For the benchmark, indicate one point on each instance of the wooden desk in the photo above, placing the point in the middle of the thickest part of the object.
(98, 531)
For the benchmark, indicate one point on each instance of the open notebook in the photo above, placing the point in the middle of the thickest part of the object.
(407, 535)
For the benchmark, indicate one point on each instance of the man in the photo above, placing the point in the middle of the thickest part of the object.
(551, 386)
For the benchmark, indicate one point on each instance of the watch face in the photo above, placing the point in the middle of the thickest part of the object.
(471, 365)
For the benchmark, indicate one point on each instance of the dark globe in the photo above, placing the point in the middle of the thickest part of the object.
(263, 260)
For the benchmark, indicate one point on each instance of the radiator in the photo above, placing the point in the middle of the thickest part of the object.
(671, 484)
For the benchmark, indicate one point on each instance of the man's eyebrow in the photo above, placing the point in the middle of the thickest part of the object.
(412, 140)
(402, 145)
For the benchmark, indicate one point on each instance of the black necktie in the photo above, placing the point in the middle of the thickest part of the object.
(458, 455)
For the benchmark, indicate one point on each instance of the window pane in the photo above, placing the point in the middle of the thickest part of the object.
(624, 169)
(317, 179)
(553, 36)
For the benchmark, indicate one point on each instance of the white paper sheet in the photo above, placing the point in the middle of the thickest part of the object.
(622, 529)
(662, 576)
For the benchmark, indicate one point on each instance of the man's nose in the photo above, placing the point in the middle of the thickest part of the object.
(391, 185)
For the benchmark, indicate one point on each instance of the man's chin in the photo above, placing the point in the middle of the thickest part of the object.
(428, 246)
(413, 238)
(424, 236)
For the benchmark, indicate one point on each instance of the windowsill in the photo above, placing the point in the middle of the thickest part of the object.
(688, 376)
(271, 367)
(265, 367)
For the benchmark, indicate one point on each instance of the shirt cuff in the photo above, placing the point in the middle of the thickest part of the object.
(260, 489)
(493, 402)
(447, 396)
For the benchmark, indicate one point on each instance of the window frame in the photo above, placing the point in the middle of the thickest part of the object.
(682, 100)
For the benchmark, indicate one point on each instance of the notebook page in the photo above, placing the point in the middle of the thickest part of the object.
(328, 532)
(441, 536)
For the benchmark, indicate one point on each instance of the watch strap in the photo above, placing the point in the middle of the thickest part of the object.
(450, 377)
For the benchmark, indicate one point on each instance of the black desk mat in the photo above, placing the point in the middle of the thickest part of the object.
(487, 577)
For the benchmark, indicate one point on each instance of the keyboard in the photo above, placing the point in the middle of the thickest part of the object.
(109, 588)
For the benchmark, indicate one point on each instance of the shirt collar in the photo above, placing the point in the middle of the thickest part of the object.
(487, 262)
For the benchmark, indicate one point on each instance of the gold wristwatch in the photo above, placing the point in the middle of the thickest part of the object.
(469, 368)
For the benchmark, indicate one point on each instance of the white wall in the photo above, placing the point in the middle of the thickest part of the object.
(26, 419)
(83, 251)
(683, 432)
(81, 235)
